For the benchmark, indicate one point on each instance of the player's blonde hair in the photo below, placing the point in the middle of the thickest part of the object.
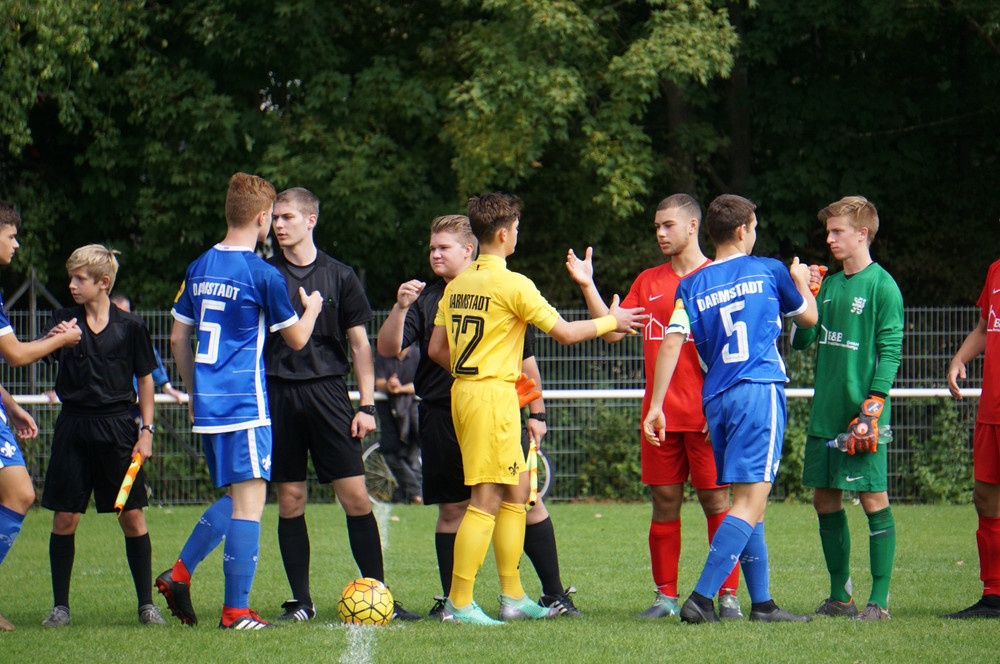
(97, 261)
(859, 212)
(457, 225)
(248, 196)
(304, 200)
(491, 212)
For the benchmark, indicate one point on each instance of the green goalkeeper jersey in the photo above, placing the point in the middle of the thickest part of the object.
(860, 338)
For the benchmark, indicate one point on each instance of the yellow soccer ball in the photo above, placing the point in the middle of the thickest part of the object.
(365, 601)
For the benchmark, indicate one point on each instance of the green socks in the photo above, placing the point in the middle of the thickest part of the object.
(882, 545)
(836, 539)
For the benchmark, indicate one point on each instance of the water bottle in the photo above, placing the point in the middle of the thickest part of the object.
(840, 442)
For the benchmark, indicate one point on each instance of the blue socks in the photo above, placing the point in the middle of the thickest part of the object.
(756, 571)
(210, 531)
(729, 542)
(239, 563)
(10, 527)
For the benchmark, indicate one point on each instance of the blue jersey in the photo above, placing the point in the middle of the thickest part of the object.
(733, 308)
(5, 328)
(232, 297)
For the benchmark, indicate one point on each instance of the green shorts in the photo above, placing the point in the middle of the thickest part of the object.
(829, 468)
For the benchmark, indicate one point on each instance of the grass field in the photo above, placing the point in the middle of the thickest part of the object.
(603, 551)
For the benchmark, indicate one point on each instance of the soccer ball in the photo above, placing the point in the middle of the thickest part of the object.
(365, 601)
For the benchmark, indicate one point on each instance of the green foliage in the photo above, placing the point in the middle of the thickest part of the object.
(121, 122)
(941, 464)
(788, 485)
(609, 466)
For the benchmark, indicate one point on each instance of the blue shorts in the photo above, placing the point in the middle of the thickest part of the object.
(236, 456)
(747, 424)
(10, 452)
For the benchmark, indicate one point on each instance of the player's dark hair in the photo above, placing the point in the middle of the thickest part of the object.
(858, 209)
(8, 215)
(683, 202)
(491, 212)
(247, 197)
(304, 200)
(725, 214)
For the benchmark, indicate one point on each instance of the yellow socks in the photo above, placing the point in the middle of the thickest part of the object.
(471, 544)
(508, 544)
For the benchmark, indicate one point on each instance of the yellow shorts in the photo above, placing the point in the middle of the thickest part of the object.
(488, 427)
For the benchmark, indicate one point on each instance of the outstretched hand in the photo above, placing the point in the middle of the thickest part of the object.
(582, 271)
(629, 320)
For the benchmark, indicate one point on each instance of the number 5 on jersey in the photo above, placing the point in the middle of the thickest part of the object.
(214, 330)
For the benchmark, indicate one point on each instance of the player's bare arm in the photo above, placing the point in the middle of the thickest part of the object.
(297, 335)
(536, 428)
(437, 348)
(390, 335)
(801, 276)
(147, 390)
(364, 370)
(19, 353)
(973, 346)
(180, 347)
(18, 418)
(625, 320)
(582, 272)
(655, 424)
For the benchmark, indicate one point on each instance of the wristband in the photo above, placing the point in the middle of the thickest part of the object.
(367, 410)
(537, 416)
(606, 324)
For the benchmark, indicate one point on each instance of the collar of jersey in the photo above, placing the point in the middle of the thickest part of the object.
(229, 247)
(487, 259)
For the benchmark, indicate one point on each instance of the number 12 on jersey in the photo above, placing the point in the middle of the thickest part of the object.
(466, 325)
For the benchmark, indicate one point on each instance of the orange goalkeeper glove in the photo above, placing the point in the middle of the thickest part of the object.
(816, 274)
(862, 432)
(526, 392)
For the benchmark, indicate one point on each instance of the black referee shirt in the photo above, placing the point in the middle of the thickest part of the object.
(345, 305)
(95, 376)
(432, 383)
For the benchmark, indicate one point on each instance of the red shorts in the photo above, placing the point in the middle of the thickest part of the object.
(680, 454)
(986, 453)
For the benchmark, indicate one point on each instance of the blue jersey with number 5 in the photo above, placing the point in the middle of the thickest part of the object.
(732, 308)
(232, 297)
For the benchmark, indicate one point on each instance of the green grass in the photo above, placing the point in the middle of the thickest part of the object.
(603, 551)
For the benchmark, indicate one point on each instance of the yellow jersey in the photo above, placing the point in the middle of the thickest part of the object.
(485, 311)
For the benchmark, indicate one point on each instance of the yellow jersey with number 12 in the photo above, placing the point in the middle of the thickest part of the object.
(485, 311)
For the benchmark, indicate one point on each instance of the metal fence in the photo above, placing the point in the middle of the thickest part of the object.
(581, 431)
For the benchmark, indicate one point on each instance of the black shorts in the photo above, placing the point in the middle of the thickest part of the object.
(91, 455)
(312, 417)
(441, 458)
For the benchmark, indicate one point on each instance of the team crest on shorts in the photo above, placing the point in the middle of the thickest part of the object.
(513, 468)
(265, 463)
(8, 450)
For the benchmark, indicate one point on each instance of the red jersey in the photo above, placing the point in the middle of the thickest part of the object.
(989, 306)
(654, 290)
